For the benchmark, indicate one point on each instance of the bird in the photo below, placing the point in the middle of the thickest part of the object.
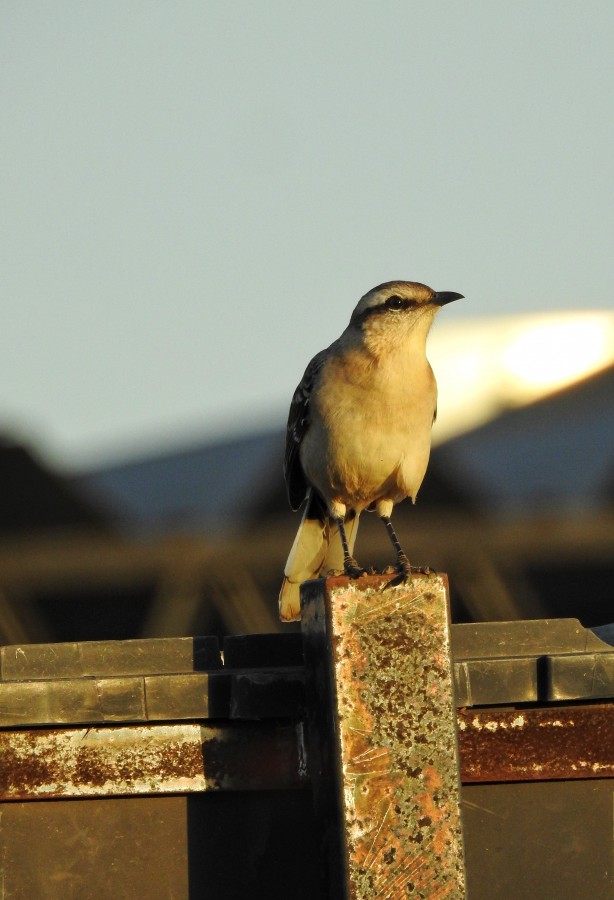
(359, 432)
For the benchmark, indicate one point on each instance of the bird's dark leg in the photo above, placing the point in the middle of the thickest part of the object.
(350, 566)
(402, 561)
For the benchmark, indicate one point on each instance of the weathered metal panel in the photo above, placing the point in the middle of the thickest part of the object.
(529, 637)
(247, 694)
(177, 696)
(548, 840)
(486, 682)
(211, 846)
(589, 676)
(381, 658)
(537, 744)
(124, 849)
(150, 759)
(72, 701)
(98, 659)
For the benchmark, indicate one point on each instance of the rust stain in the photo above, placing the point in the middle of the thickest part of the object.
(537, 743)
(95, 761)
(171, 758)
(31, 771)
(91, 769)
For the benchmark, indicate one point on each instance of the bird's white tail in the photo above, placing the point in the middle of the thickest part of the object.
(316, 551)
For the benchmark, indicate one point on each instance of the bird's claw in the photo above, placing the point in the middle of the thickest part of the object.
(352, 569)
(405, 572)
(422, 570)
(402, 577)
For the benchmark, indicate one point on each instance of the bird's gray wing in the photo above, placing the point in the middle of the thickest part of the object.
(298, 423)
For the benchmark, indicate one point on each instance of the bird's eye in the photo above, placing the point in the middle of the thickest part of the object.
(395, 302)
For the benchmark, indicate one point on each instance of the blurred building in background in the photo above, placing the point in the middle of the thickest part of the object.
(517, 506)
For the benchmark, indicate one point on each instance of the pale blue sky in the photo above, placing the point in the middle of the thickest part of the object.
(195, 194)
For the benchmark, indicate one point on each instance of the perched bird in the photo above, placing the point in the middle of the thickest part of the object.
(359, 431)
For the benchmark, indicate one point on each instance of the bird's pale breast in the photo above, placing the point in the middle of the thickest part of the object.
(370, 430)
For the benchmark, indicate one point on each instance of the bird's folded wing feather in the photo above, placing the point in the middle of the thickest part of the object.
(298, 423)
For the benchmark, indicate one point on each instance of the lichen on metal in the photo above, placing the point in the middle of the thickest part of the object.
(391, 666)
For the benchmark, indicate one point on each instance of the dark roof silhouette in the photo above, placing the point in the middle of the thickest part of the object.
(34, 498)
(212, 487)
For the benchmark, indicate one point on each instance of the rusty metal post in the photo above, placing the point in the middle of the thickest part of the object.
(383, 753)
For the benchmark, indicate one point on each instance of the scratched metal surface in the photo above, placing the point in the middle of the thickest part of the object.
(395, 726)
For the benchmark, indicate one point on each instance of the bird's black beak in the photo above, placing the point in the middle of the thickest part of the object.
(443, 297)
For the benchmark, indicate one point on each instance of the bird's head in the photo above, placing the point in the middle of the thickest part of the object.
(397, 300)
(396, 312)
